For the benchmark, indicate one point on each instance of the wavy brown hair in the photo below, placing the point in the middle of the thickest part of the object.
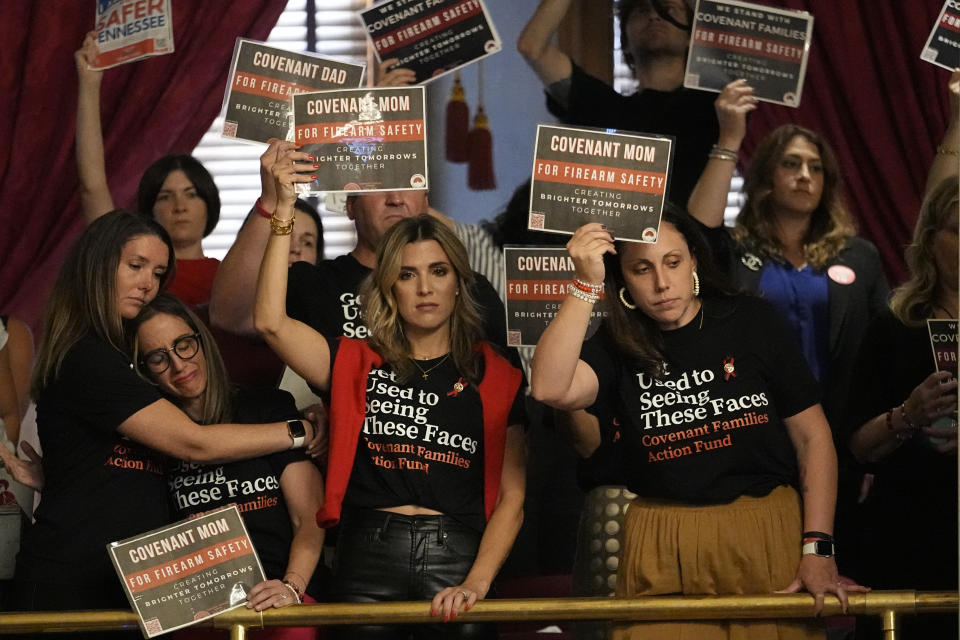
(217, 406)
(84, 296)
(912, 302)
(830, 223)
(379, 303)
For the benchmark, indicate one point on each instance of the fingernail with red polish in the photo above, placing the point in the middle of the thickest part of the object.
(316, 166)
(313, 177)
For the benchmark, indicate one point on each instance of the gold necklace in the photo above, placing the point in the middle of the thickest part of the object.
(426, 372)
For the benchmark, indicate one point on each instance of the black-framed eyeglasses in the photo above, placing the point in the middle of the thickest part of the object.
(158, 360)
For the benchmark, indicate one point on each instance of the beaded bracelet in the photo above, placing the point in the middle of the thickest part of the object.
(592, 298)
(586, 287)
(906, 419)
(944, 151)
(297, 593)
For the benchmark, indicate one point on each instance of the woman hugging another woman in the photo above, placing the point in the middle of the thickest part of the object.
(278, 494)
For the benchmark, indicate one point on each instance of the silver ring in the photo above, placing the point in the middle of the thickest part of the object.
(466, 596)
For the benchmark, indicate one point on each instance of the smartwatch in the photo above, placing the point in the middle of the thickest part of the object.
(297, 433)
(822, 548)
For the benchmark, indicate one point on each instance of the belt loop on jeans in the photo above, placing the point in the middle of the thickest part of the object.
(441, 534)
(383, 527)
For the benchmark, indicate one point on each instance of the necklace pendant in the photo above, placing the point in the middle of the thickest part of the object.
(425, 376)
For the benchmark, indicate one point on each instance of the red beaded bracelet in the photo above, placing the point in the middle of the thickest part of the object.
(296, 590)
(586, 287)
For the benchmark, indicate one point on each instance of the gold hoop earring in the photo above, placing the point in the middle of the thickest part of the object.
(696, 284)
(623, 299)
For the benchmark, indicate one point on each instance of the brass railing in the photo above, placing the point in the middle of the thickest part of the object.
(890, 605)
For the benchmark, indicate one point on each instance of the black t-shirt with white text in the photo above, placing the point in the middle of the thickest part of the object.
(253, 485)
(422, 442)
(324, 296)
(99, 486)
(711, 430)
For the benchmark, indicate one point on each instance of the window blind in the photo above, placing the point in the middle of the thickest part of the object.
(235, 165)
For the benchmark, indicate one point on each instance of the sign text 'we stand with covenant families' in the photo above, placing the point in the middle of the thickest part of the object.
(767, 47)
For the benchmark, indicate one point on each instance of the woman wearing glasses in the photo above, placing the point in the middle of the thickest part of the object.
(278, 494)
(103, 428)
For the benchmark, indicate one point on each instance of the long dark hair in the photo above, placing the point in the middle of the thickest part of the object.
(155, 175)
(84, 296)
(634, 334)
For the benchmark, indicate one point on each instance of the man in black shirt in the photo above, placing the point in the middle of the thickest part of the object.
(654, 45)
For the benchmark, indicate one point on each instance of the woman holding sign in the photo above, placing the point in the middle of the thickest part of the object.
(426, 464)
(793, 241)
(278, 494)
(176, 190)
(903, 409)
(104, 429)
(721, 433)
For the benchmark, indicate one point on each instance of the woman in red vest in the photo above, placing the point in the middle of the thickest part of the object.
(426, 467)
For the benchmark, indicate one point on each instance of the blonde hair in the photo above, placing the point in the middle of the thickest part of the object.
(84, 296)
(912, 302)
(381, 313)
(217, 397)
(830, 223)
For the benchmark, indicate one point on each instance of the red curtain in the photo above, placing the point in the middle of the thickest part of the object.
(882, 108)
(150, 108)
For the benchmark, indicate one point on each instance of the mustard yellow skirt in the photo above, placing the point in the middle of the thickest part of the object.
(750, 546)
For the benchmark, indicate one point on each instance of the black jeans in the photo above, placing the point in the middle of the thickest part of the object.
(383, 557)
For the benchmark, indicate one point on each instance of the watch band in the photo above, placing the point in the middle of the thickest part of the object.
(822, 548)
(297, 433)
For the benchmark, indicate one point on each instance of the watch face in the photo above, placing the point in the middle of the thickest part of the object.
(823, 548)
(297, 430)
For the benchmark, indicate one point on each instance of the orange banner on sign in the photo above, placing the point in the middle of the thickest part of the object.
(591, 175)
